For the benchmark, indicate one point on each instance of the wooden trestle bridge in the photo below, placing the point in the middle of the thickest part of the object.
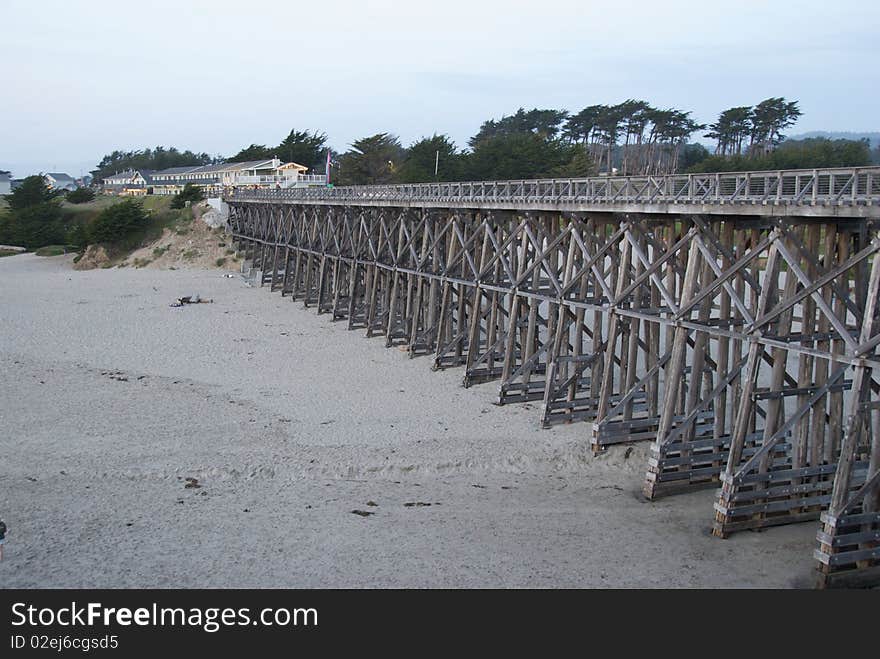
(731, 320)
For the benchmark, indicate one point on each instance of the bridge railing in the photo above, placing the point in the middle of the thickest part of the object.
(839, 186)
(283, 181)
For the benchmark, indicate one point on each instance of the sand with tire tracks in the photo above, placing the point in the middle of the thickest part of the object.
(227, 444)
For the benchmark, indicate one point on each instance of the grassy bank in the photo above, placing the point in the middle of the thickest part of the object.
(159, 213)
(56, 250)
(120, 232)
(161, 216)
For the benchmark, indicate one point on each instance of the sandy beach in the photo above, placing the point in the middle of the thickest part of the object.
(110, 400)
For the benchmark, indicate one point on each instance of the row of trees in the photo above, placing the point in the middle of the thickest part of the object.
(382, 159)
(652, 139)
(157, 158)
(753, 131)
(815, 152)
(632, 137)
(304, 147)
(629, 138)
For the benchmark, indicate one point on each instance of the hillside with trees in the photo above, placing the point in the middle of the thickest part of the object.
(157, 158)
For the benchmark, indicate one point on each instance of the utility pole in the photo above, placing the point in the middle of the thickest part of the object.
(436, 162)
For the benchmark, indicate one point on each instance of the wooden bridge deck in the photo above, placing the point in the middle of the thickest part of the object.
(844, 192)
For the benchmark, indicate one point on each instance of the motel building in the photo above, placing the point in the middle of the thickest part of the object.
(254, 174)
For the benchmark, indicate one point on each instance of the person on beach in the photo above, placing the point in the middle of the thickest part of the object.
(2, 537)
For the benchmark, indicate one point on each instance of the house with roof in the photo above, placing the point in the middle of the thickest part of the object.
(59, 181)
(270, 173)
(265, 173)
(132, 182)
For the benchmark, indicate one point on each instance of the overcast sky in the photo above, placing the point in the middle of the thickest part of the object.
(82, 79)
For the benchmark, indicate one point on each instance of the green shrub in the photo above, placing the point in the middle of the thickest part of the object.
(190, 193)
(34, 217)
(33, 226)
(77, 235)
(117, 222)
(33, 191)
(81, 196)
(220, 262)
(51, 250)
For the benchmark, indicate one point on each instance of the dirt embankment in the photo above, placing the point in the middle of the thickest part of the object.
(197, 246)
(95, 256)
(194, 244)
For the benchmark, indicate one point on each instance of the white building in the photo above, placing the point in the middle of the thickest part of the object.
(59, 181)
(132, 182)
(270, 173)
